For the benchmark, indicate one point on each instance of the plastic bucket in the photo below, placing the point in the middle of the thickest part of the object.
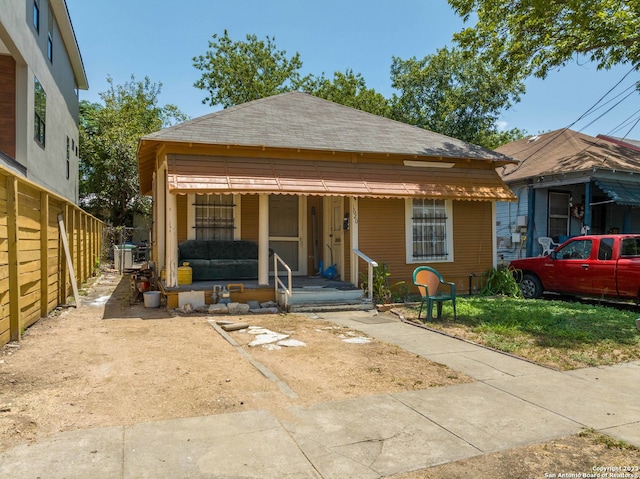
(152, 299)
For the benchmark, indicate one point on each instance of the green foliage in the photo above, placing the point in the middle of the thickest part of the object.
(560, 334)
(450, 92)
(348, 89)
(109, 135)
(607, 441)
(381, 290)
(455, 94)
(501, 282)
(235, 72)
(534, 37)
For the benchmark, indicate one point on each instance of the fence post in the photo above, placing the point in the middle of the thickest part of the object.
(62, 263)
(14, 284)
(44, 254)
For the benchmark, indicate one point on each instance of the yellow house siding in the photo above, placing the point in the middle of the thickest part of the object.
(182, 218)
(381, 235)
(382, 238)
(249, 217)
(473, 241)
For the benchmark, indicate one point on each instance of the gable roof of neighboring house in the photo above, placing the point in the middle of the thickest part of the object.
(566, 151)
(303, 123)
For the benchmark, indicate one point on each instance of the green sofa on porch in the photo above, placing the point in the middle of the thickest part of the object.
(219, 259)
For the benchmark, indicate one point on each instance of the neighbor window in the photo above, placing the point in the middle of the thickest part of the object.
(50, 36)
(36, 15)
(40, 110)
(214, 217)
(68, 158)
(429, 230)
(558, 214)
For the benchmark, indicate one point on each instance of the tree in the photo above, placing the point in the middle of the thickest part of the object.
(109, 135)
(535, 36)
(236, 72)
(454, 94)
(349, 89)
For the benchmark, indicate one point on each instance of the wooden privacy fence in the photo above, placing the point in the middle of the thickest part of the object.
(34, 272)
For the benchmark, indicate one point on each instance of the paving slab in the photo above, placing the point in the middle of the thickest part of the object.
(249, 444)
(622, 377)
(371, 437)
(482, 364)
(629, 433)
(584, 401)
(476, 361)
(488, 419)
(94, 453)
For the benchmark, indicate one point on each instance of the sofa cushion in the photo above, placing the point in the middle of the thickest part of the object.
(193, 249)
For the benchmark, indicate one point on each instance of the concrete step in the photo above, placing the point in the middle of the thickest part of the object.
(327, 307)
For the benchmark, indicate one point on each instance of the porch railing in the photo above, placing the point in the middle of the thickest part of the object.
(371, 264)
(278, 284)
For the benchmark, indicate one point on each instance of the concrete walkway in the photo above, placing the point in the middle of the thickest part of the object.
(512, 403)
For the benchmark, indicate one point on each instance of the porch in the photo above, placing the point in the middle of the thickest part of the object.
(308, 293)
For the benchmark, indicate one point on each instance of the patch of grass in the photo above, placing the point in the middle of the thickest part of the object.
(559, 334)
(607, 441)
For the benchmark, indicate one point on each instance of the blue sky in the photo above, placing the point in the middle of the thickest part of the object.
(159, 38)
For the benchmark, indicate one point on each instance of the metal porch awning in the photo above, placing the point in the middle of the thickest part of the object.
(192, 174)
(624, 193)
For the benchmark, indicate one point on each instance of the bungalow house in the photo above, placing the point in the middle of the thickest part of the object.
(323, 184)
(567, 183)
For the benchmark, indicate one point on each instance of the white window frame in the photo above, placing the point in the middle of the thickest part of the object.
(560, 198)
(408, 209)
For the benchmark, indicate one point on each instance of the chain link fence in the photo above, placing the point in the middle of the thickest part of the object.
(124, 247)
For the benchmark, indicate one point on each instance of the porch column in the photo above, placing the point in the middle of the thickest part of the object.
(531, 222)
(172, 241)
(160, 201)
(263, 240)
(626, 220)
(587, 206)
(494, 235)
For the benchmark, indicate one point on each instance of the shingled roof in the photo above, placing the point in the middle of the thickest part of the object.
(297, 124)
(301, 121)
(566, 151)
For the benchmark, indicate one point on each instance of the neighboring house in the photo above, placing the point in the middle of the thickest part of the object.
(316, 181)
(567, 183)
(41, 72)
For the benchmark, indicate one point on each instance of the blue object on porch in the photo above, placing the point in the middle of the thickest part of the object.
(330, 272)
(428, 280)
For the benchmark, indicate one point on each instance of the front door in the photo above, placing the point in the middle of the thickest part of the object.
(285, 231)
(334, 236)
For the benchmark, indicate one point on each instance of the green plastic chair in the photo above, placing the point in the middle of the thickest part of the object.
(428, 281)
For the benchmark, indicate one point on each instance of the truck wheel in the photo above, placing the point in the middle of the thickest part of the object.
(531, 287)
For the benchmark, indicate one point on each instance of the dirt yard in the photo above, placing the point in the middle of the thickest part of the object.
(111, 363)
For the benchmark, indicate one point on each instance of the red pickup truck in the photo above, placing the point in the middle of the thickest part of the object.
(593, 265)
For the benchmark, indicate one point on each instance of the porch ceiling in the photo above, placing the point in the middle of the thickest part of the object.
(275, 176)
